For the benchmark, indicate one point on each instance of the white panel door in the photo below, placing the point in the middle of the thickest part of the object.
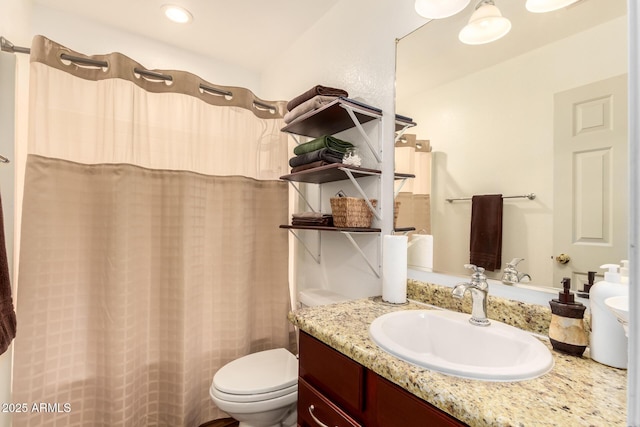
(590, 178)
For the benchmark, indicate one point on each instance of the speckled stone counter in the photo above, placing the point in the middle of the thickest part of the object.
(577, 391)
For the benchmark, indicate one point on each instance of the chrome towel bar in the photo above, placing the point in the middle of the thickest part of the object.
(529, 196)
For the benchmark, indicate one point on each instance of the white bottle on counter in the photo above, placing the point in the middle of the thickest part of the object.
(608, 342)
(624, 271)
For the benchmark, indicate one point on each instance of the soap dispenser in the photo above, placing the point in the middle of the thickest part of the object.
(591, 277)
(608, 340)
(567, 332)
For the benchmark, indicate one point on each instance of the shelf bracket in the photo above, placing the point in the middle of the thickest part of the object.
(315, 257)
(361, 130)
(347, 171)
(362, 254)
(402, 131)
(404, 232)
(395, 194)
(302, 196)
(295, 138)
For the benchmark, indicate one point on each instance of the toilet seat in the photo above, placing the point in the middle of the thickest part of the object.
(260, 376)
(253, 398)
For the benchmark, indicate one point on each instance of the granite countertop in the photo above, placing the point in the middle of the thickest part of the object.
(577, 391)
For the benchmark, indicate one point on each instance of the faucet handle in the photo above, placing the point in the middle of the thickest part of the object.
(514, 262)
(478, 273)
(475, 268)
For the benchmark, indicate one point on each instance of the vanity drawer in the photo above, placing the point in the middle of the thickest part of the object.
(315, 410)
(393, 406)
(332, 373)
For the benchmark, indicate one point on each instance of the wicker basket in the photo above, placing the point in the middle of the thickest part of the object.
(351, 212)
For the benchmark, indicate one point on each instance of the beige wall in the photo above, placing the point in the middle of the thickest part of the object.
(15, 17)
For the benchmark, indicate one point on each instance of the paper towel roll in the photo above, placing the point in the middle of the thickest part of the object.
(420, 251)
(394, 269)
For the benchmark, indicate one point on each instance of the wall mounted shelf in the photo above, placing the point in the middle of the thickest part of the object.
(335, 172)
(402, 124)
(347, 232)
(337, 116)
(338, 172)
(344, 229)
(325, 228)
(332, 118)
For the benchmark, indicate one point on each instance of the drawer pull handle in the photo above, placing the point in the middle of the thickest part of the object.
(320, 423)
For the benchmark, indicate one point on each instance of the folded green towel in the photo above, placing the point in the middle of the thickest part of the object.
(330, 142)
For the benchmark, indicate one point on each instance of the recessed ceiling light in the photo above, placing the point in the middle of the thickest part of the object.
(177, 13)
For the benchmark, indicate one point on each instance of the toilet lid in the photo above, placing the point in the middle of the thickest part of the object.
(261, 372)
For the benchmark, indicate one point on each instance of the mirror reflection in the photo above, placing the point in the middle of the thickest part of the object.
(540, 111)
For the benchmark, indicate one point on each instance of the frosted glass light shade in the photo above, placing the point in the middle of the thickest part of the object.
(485, 25)
(541, 6)
(438, 9)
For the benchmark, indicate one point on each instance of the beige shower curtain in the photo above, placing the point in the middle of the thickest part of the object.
(150, 249)
(413, 156)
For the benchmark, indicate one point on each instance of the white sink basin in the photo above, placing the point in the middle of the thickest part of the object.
(446, 342)
(620, 307)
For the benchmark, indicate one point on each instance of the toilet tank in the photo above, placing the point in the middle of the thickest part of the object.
(315, 297)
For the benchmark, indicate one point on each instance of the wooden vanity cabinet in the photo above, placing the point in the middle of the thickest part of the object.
(316, 410)
(331, 386)
(335, 391)
(395, 407)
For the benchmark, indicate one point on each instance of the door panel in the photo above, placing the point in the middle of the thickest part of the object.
(590, 178)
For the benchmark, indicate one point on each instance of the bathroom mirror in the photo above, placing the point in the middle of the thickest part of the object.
(490, 113)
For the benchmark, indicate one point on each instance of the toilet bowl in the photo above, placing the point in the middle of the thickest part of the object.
(259, 390)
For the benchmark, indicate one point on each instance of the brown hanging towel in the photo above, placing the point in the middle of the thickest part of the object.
(7, 313)
(486, 231)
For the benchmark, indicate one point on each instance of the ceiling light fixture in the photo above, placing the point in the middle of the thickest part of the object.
(177, 13)
(485, 25)
(437, 9)
(541, 6)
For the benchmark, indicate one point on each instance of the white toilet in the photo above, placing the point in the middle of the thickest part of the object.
(261, 389)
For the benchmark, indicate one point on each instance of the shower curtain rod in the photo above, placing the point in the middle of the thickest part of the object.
(7, 46)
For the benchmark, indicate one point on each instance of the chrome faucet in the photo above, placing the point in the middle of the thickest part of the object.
(510, 275)
(479, 289)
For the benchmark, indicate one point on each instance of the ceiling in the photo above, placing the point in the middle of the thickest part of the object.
(248, 33)
(241, 32)
(432, 55)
